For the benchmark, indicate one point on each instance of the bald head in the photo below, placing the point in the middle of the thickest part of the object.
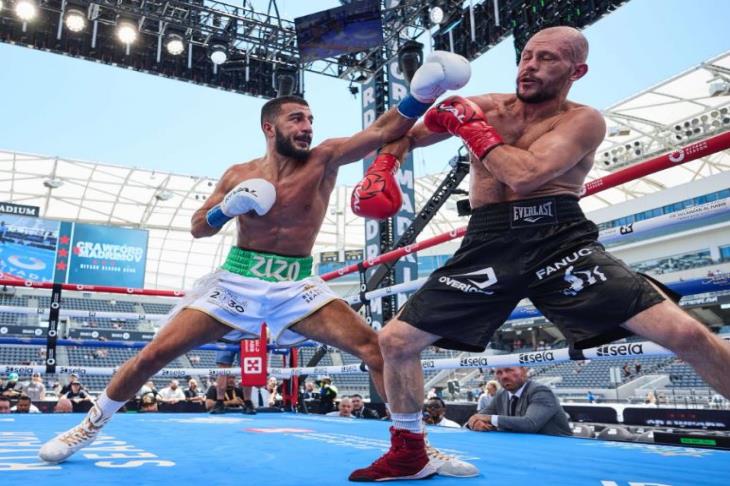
(567, 39)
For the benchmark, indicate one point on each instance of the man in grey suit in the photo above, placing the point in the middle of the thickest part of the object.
(521, 406)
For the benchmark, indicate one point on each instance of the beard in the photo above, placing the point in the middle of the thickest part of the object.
(539, 96)
(286, 148)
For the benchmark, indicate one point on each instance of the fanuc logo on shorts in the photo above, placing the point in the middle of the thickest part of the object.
(580, 279)
(562, 263)
(620, 350)
(476, 281)
(543, 213)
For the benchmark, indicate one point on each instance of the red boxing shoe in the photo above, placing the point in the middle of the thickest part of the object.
(406, 459)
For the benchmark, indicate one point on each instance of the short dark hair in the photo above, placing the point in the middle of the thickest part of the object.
(271, 108)
(24, 397)
(438, 399)
(356, 395)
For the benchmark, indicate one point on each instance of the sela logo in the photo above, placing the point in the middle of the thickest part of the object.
(581, 279)
(620, 350)
(533, 213)
(21, 370)
(555, 266)
(626, 229)
(64, 370)
(539, 357)
(478, 280)
(473, 361)
(169, 372)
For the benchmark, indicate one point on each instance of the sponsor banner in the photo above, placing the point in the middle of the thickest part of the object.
(103, 255)
(625, 349)
(406, 269)
(26, 331)
(676, 221)
(110, 334)
(373, 311)
(254, 362)
(19, 209)
(354, 255)
(682, 418)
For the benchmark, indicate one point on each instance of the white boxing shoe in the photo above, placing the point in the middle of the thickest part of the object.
(66, 444)
(450, 465)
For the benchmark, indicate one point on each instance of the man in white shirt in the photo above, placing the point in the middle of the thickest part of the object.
(267, 396)
(172, 393)
(24, 406)
(436, 414)
(343, 410)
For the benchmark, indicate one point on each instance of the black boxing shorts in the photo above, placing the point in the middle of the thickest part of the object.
(542, 249)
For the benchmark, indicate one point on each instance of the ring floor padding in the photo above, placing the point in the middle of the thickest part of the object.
(290, 449)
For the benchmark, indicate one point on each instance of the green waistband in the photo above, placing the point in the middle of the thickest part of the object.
(267, 266)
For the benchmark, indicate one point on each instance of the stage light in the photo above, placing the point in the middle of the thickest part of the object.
(1, 5)
(174, 44)
(436, 15)
(26, 10)
(75, 20)
(126, 32)
(218, 54)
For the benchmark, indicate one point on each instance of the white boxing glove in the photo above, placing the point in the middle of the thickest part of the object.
(257, 195)
(441, 71)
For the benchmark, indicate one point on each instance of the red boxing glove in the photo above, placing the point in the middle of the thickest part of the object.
(378, 195)
(465, 119)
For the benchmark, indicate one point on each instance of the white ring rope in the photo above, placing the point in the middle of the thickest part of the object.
(627, 350)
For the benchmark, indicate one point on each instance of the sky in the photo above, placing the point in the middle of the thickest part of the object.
(57, 106)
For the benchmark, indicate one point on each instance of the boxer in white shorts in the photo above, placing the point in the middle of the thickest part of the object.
(279, 202)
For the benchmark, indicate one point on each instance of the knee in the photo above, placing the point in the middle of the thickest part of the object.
(395, 342)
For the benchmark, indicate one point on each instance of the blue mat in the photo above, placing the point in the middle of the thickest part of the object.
(272, 449)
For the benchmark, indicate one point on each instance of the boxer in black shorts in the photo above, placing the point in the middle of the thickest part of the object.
(549, 252)
(530, 154)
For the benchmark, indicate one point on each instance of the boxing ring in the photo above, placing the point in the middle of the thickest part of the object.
(310, 449)
(289, 447)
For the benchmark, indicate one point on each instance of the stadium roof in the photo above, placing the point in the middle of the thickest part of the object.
(687, 107)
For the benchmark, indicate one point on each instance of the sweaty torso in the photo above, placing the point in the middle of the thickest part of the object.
(499, 110)
(302, 194)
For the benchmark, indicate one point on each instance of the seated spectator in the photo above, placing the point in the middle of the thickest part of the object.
(436, 414)
(148, 403)
(521, 406)
(172, 393)
(310, 392)
(73, 377)
(359, 410)
(77, 396)
(344, 409)
(149, 389)
(24, 405)
(490, 390)
(4, 405)
(36, 390)
(650, 398)
(193, 393)
(11, 389)
(64, 405)
(232, 398)
(267, 396)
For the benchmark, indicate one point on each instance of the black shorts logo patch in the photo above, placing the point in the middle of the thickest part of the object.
(535, 214)
(471, 282)
(580, 279)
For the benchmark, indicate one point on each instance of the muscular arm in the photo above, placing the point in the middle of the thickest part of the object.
(199, 225)
(549, 156)
(389, 126)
